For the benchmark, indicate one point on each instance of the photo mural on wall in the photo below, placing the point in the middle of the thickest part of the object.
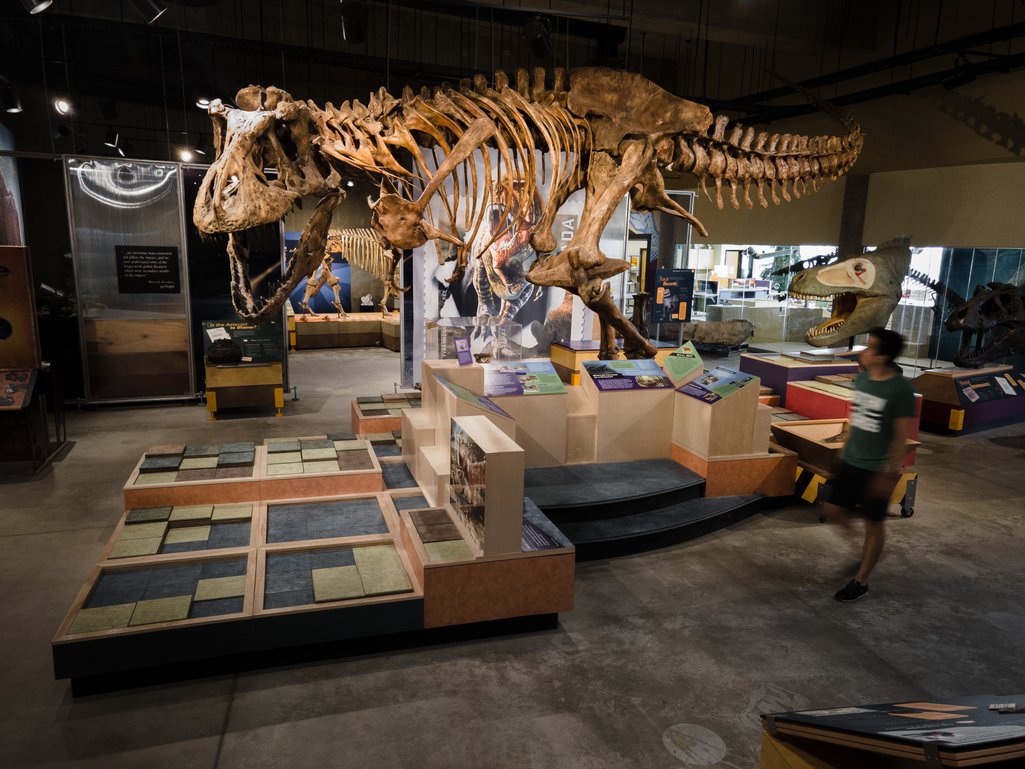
(10, 195)
(494, 286)
(467, 481)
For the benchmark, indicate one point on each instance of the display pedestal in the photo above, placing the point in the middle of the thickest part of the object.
(244, 385)
(381, 413)
(365, 329)
(821, 400)
(776, 371)
(959, 400)
(568, 357)
(630, 424)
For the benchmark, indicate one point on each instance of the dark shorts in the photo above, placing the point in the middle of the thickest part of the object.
(849, 489)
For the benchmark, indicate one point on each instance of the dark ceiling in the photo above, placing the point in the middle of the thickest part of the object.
(734, 55)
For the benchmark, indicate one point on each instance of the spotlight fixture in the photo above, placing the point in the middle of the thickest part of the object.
(350, 183)
(111, 139)
(12, 101)
(203, 103)
(354, 21)
(62, 131)
(185, 155)
(63, 106)
(538, 33)
(202, 145)
(127, 150)
(150, 10)
(36, 6)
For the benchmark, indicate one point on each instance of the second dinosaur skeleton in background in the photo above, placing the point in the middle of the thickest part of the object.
(361, 248)
(609, 132)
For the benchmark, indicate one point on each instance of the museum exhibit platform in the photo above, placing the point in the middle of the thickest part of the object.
(987, 730)
(189, 578)
(381, 413)
(567, 356)
(776, 371)
(962, 400)
(315, 331)
(612, 451)
(244, 385)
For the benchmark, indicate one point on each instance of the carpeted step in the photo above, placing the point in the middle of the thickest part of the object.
(658, 527)
(610, 489)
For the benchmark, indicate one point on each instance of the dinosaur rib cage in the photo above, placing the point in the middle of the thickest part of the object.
(527, 117)
(362, 248)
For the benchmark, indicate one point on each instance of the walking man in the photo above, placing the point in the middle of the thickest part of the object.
(882, 416)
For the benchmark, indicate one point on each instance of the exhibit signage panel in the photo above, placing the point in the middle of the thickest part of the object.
(716, 384)
(528, 377)
(682, 361)
(257, 342)
(674, 295)
(147, 270)
(470, 397)
(642, 374)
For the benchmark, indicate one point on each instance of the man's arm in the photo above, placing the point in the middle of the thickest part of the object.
(901, 430)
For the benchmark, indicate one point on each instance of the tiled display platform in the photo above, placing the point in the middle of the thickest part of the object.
(382, 413)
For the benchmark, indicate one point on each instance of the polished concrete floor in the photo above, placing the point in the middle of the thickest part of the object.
(666, 660)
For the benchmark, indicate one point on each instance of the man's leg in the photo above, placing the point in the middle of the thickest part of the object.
(875, 538)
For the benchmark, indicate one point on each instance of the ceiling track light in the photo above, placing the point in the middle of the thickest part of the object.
(36, 6)
(12, 100)
(185, 155)
(62, 106)
(150, 10)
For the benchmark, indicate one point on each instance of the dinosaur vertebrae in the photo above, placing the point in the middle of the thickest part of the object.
(744, 158)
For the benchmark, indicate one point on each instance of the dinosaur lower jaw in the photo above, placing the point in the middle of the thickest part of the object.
(975, 352)
(851, 315)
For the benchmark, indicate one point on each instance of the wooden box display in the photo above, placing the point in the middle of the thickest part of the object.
(818, 444)
(180, 474)
(381, 413)
(776, 371)
(314, 466)
(486, 484)
(723, 427)
(961, 400)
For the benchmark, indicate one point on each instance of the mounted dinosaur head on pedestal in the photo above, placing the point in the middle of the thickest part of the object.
(992, 324)
(865, 289)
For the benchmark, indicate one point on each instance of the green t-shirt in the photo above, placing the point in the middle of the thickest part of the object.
(876, 404)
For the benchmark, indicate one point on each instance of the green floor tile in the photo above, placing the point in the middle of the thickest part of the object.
(336, 584)
(187, 534)
(220, 587)
(321, 467)
(148, 514)
(102, 618)
(311, 455)
(129, 548)
(349, 445)
(198, 463)
(290, 468)
(143, 530)
(183, 513)
(239, 512)
(283, 457)
(381, 571)
(161, 610)
(448, 551)
(150, 479)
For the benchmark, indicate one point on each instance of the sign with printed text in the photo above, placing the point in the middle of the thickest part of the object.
(717, 384)
(674, 295)
(641, 374)
(147, 270)
(525, 377)
(682, 362)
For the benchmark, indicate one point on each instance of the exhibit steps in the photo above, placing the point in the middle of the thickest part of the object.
(588, 492)
(658, 527)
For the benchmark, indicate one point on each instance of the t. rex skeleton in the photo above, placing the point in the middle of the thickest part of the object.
(865, 290)
(992, 324)
(607, 131)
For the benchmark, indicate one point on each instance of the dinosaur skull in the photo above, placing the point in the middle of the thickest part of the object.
(994, 318)
(267, 130)
(865, 289)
